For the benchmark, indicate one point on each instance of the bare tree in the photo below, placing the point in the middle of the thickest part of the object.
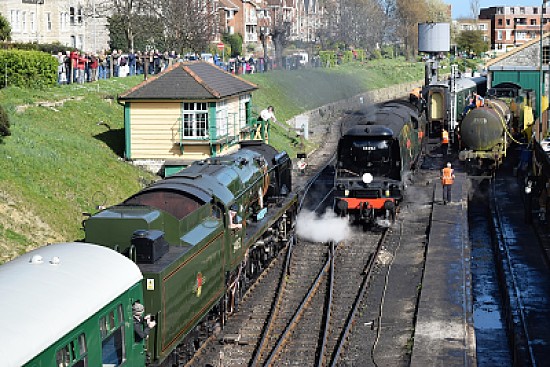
(410, 14)
(189, 24)
(474, 8)
(280, 26)
(364, 23)
(438, 11)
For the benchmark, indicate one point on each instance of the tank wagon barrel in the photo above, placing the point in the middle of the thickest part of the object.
(483, 127)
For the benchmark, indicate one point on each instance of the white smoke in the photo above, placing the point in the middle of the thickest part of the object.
(325, 228)
(384, 223)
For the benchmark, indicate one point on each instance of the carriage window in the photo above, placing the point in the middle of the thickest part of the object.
(73, 354)
(112, 338)
(63, 357)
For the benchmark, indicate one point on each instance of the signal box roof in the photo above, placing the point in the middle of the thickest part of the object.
(193, 80)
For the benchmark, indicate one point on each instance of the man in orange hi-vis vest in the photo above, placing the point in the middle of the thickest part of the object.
(447, 180)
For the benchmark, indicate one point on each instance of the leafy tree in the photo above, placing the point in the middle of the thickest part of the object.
(472, 41)
(150, 36)
(236, 42)
(5, 29)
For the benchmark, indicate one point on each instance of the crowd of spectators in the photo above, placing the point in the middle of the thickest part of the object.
(76, 67)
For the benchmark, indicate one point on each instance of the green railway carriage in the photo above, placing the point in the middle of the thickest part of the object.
(197, 236)
(438, 100)
(69, 305)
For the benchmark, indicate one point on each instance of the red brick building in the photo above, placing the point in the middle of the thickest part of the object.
(513, 26)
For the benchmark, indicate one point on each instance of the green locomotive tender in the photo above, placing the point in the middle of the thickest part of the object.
(198, 237)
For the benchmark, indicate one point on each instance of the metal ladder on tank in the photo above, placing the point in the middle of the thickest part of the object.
(452, 95)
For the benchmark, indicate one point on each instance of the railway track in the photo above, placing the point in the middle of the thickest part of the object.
(323, 333)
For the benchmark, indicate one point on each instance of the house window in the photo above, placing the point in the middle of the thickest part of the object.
(482, 27)
(15, 16)
(507, 21)
(32, 17)
(545, 54)
(222, 119)
(533, 22)
(499, 35)
(24, 22)
(72, 15)
(499, 22)
(521, 35)
(49, 21)
(62, 21)
(195, 120)
(535, 10)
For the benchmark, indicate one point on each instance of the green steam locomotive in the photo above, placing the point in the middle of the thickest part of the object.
(198, 237)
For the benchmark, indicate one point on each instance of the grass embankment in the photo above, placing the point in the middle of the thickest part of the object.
(59, 162)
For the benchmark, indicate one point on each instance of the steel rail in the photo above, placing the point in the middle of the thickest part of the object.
(322, 350)
(503, 243)
(362, 290)
(297, 315)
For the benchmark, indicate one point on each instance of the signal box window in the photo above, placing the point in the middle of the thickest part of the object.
(74, 354)
(195, 120)
(111, 327)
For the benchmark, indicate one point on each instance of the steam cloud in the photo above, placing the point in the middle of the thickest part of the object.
(325, 228)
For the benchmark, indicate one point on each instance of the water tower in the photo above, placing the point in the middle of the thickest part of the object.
(433, 39)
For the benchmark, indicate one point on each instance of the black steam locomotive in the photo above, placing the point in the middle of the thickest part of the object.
(375, 158)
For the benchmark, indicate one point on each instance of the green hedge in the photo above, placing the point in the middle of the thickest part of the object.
(331, 58)
(27, 69)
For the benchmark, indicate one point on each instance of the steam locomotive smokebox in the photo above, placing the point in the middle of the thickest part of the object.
(150, 245)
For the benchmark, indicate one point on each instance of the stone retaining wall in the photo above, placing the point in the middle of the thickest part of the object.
(317, 119)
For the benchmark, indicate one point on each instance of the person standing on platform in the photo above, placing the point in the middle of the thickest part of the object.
(447, 180)
(445, 141)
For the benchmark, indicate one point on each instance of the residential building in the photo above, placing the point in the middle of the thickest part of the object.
(83, 23)
(483, 25)
(72, 23)
(512, 26)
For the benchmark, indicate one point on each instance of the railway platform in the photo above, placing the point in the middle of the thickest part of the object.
(444, 333)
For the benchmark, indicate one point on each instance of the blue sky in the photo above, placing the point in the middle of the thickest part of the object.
(461, 8)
